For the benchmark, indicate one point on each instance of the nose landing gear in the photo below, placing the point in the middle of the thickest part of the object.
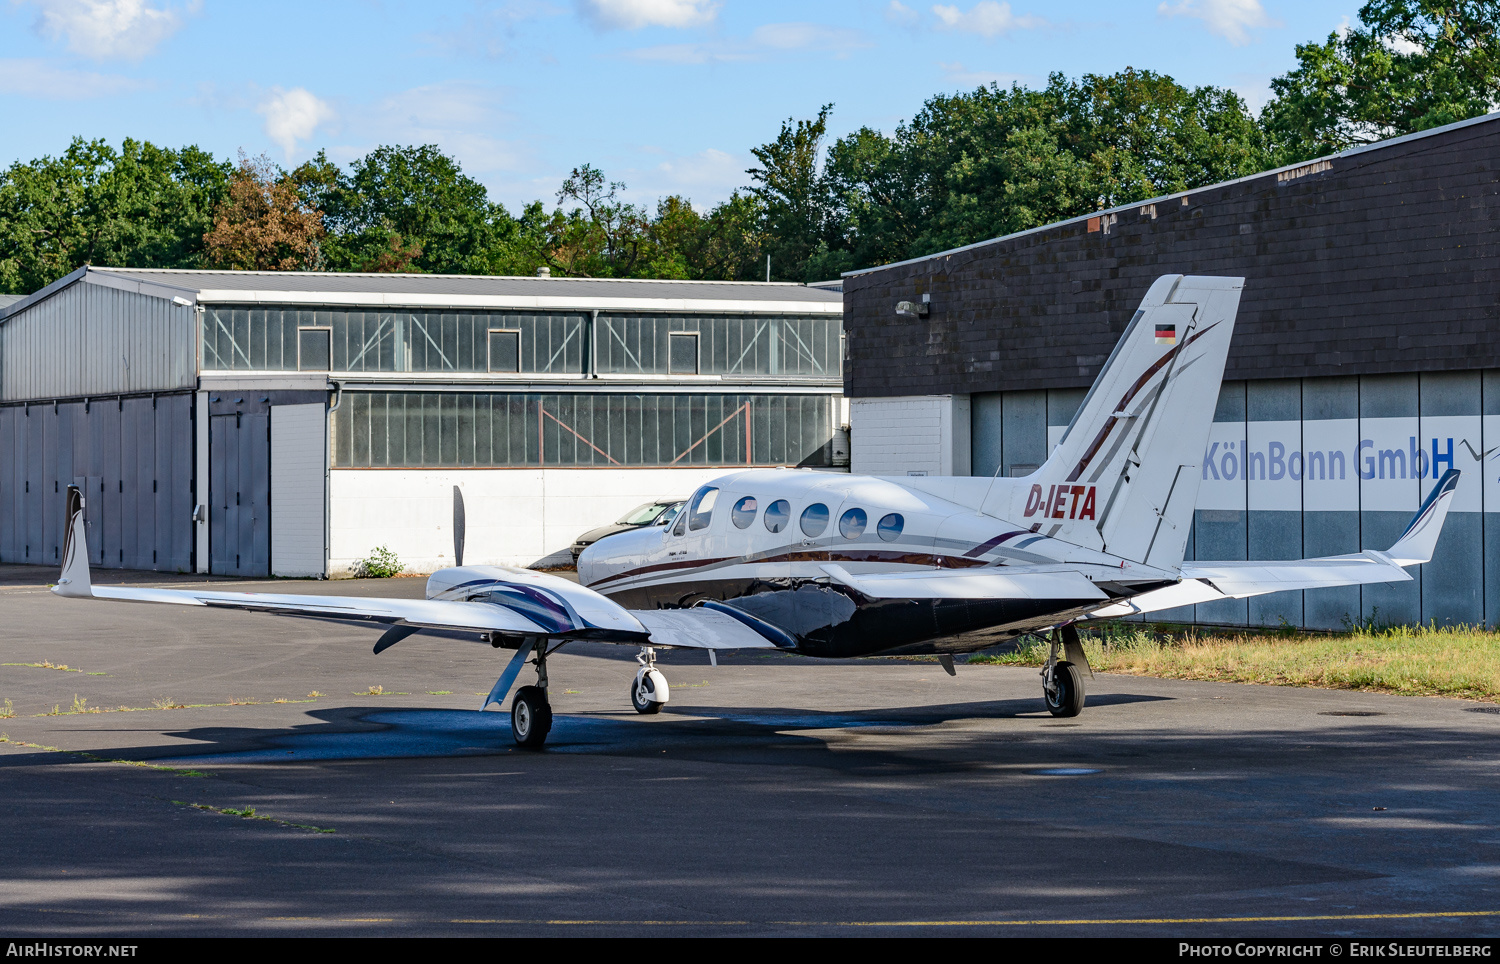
(530, 711)
(649, 691)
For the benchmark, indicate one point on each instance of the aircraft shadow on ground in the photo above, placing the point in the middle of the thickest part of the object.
(357, 733)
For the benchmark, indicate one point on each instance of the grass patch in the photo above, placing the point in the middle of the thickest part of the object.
(95, 758)
(47, 664)
(1458, 661)
(248, 813)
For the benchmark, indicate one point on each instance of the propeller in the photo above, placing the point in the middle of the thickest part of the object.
(393, 636)
(458, 526)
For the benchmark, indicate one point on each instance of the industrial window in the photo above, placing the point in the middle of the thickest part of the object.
(684, 360)
(505, 349)
(600, 429)
(782, 346)
(701, 510)
(814, 519)
(266, 339)
(776, 515)
(852, 523)
(313, 349)
(744, 512)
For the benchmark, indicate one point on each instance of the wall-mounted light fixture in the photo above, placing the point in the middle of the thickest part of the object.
(914, 309)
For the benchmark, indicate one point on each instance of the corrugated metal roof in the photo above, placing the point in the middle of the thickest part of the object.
(480, 285)
(444, 291)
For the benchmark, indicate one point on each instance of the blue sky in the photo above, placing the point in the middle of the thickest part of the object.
(666, 95)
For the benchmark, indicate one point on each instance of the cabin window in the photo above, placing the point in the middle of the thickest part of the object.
(814, 519)
(852, 523)
(701, 511)
(776, 515)
(890, 527)
(744, 512)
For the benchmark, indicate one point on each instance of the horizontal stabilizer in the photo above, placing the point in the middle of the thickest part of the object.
(986, 583)
(1212, 581)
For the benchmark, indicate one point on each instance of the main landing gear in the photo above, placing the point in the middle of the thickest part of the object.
(530, 712)
(649, 691)
(1062, 681)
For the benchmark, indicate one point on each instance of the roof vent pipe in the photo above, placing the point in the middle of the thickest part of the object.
(544, 272)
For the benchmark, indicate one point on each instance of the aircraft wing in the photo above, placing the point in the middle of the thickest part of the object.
(1212, 581)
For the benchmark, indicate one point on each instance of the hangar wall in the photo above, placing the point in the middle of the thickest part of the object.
(517, 517)
(1319, 466)
(132, 456)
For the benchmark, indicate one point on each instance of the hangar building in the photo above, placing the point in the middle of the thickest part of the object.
(287, 423)
(1365, 362)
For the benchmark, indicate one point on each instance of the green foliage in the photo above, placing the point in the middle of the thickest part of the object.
(381, 563)
(1408, 66)
(142, 205)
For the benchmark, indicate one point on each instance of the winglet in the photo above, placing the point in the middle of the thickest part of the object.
(74, 580)
(1420, 538)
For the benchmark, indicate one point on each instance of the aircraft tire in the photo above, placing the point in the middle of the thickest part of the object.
(530, 717)
(1068, 700)
(642, 702)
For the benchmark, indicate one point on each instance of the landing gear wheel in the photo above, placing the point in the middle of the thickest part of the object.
(530, 717)
(640, 696)
(1064, 693)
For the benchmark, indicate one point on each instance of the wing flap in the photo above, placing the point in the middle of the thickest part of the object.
(699, 628)
(986, 583)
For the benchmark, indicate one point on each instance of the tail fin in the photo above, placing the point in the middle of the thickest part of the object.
(1420, 538)
(74, 580)
(1125, 476)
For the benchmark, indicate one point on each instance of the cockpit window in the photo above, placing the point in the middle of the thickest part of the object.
(701, 510)
(814, 519)
(776, 515)
(890, 527)
(744, 512)
(681, 525)
(852, 523)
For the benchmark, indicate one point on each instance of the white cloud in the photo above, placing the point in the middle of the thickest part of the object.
(1231, 19)
(986, 18)
(30, 77)
(462, 119)
(959, 74)
(635, 14)
(293, 115)
(106, 29)
(765, 40)
(900, 14)
(806, 36)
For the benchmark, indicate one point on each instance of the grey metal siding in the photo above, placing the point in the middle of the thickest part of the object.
(133, 457)
(91, 340)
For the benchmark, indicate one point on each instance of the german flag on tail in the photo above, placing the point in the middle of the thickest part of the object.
(1166, 334)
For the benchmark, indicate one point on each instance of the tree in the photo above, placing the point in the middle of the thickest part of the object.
(1408, 66)
(599, 236)
(411, 209)
(793, 195)
(264, 224)
(142, 206)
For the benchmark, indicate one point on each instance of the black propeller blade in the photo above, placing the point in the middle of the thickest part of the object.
(458, 526)
(393, 636)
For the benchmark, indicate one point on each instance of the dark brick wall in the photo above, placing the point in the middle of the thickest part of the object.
(1389, 261)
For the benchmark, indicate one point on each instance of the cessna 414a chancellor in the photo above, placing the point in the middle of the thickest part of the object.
(832, 565)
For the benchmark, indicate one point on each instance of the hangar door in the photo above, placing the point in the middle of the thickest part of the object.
(239, 493)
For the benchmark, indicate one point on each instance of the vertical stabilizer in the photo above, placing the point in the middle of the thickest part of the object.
(1125, 476)
(74, 580)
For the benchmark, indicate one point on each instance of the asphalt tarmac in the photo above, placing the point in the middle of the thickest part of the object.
(774, 795)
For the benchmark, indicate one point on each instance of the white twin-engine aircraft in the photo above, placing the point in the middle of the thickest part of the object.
(837, 566)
